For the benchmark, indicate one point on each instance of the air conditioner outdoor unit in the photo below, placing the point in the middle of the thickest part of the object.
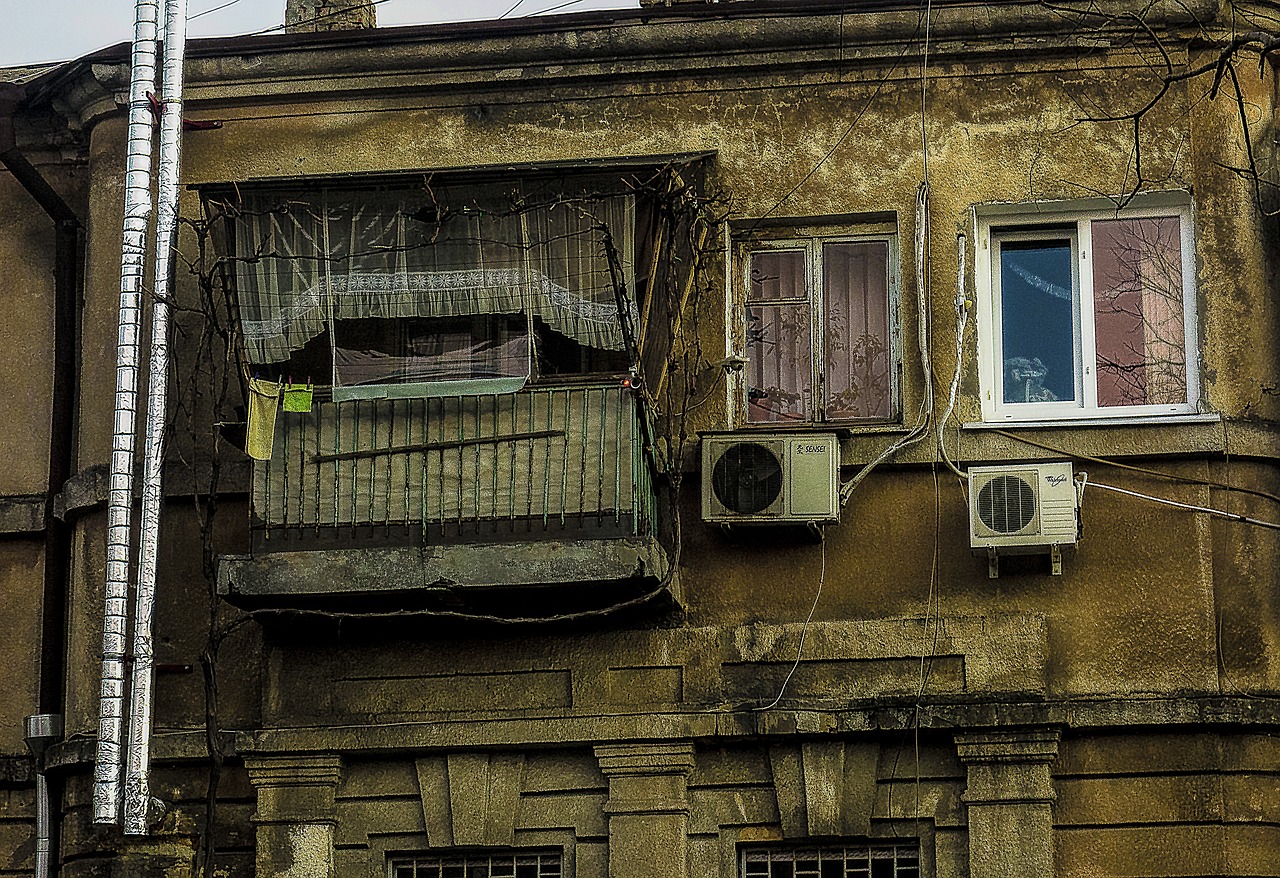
(771, 478)
(1023, 509)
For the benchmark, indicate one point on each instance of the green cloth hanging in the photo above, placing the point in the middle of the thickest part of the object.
(297, 397)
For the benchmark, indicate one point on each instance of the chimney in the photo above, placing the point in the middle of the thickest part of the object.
(314, 16)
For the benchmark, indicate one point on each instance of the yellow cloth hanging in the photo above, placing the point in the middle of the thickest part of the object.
(264, 398)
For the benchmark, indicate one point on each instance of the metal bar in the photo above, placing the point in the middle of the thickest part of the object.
(617, 461)
(316, 474)
(337, 467)
(435, 446)
(282, 421)
(440, 466)
(582, 450)
(528, 496)
(461, 436)
(565, 461)
(373, 464)
(408, 437)
(605, 412)
(355, 466)
(475, 411)
(511, 495)
(493, 501)
(137, 213)
(546, 472)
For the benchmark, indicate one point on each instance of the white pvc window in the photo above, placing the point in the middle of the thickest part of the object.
(1087, 315)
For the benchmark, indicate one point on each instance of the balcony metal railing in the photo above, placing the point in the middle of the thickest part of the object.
(553, 459)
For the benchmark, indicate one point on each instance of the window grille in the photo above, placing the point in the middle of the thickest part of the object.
(847, 861)
(537, 864)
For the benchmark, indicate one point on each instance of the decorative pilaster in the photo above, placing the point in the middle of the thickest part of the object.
(1010, 801)
(295, 816)
(648, 808)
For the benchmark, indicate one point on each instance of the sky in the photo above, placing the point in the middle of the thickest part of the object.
(57, 30)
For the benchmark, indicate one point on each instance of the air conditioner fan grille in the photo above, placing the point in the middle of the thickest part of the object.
(1007, 504)
(747, 478)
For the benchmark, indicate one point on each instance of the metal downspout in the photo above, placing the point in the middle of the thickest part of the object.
(137, 794)
(137, 213)
(40, 730)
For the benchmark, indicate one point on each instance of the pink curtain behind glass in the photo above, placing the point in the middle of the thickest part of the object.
(858, 361)
(779, 339)
(1138, 312)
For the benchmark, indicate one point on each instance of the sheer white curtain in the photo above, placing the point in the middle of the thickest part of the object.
(306, 260)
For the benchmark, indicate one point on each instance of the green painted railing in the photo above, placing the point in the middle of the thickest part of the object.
(547, 457)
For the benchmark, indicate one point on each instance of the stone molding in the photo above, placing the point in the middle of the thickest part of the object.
(648, 807)
(295, 788)
(1013, 745)
(470, 799)
(825, 788)
(1009, 800)
(635, 760)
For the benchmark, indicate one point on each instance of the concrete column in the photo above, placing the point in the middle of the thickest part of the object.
(1010, 801)
(648, 808)
(295, 818)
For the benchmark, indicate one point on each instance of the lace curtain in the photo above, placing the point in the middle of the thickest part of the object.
(308, 259)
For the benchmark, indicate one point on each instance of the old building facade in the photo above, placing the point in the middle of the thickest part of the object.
(639, 374)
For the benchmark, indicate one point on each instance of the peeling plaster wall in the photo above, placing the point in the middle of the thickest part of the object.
(1160, 618)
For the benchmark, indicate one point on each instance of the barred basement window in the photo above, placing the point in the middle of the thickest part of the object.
(535, 864)
(835, 861)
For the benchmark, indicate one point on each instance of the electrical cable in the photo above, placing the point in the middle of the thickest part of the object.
(804, 631)
(312, 20)
(514, 7)
(853, 123)
(921, 428)
(1191, 507)
(962, 320)
(1188, 480)
(214, 9)
(551, 9)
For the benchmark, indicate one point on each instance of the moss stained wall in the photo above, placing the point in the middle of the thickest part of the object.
(1156, 605)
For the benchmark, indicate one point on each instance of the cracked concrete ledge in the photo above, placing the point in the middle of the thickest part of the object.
(1244, 715)
(344, 572)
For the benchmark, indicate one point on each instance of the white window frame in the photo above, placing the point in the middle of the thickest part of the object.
(1072, 220)
(812, 244)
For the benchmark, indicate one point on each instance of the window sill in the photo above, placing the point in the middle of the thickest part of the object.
(843, 429)
(1069, 423)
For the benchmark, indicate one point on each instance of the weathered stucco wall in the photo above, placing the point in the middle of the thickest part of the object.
(931, 697)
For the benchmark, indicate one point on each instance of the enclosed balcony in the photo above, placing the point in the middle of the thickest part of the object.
(475, 425)
(550, 485)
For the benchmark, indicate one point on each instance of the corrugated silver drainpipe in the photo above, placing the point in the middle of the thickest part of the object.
(137, 213)
(137, 791)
